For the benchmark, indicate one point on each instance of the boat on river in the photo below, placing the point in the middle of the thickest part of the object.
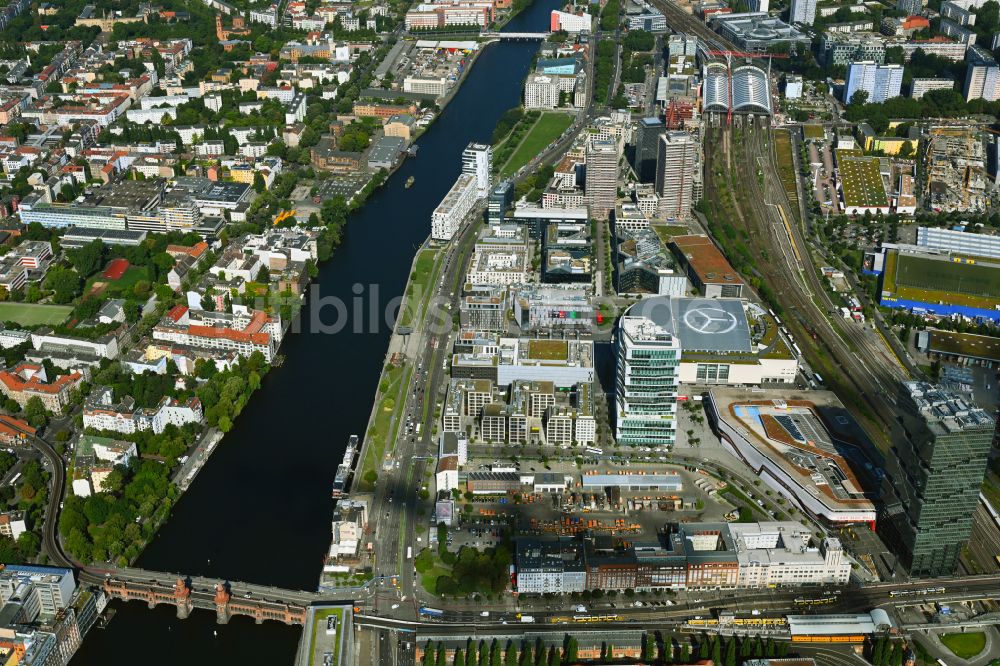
(409, 182)
(344, 469)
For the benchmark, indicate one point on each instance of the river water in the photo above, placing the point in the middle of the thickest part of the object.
(260, 509)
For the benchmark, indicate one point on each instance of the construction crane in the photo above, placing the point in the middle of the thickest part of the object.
(728, 55)
(282, 216)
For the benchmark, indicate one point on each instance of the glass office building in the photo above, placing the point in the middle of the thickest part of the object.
(933, 477)
(647, 375)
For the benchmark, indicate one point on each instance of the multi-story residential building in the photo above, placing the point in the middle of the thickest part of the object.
(841, 49)
(982, 75)
(554, 565)
(28, 380)
(955, 11)
(447, 218)
(541, 91)
(243, 332)
(921, 86)
(938, 45)
(566, 253)
(941, 442)
(910, 7)
(982, 81)
(477, 160)
(802, 11)
(567, 424)
(485, 310)
(102, 412)
(439, 15)
(647, 359)
(682, 44)
(958, 32)
(849, 27)
(677, 156)
(571, 23)
(601, 183)
(881, 82)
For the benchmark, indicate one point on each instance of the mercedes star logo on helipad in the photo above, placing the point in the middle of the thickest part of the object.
(709, 320)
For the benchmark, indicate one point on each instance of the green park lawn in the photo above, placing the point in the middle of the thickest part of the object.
(34, 314)
(546, 129)
(967, 645)
(418, 288)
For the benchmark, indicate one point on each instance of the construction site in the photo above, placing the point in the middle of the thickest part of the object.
(955, 164)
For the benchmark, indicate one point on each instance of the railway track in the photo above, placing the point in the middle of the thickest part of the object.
(764, 222)
(681, 21)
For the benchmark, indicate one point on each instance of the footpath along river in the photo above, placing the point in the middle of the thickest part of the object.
(260, 509)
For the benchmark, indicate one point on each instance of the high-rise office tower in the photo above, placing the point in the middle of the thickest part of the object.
(477, 160)
(676, 161)
(933, 477)
(647, 366)
(601, 184)
(802, 11)
(500, 199)
(881, 82)
(646, 148)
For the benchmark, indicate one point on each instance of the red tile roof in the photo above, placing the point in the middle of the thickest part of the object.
(177, 312)
(14, 427)
(16, 383)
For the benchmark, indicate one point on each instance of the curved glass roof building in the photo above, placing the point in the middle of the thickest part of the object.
(750, 90)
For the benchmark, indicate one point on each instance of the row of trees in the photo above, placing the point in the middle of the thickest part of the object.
(609, 15)
(656, 649)
(225, 394)
(493, 654)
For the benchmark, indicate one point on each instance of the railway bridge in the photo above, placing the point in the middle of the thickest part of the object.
(224, 597)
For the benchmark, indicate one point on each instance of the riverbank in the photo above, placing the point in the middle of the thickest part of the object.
(275, 468)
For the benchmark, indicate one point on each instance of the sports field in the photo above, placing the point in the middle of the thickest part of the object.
(116, 268)
(98, 285)
(34, 314)
(931, 280)
(546, 129)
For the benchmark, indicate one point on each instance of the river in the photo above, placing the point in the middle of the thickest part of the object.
(260, 509)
